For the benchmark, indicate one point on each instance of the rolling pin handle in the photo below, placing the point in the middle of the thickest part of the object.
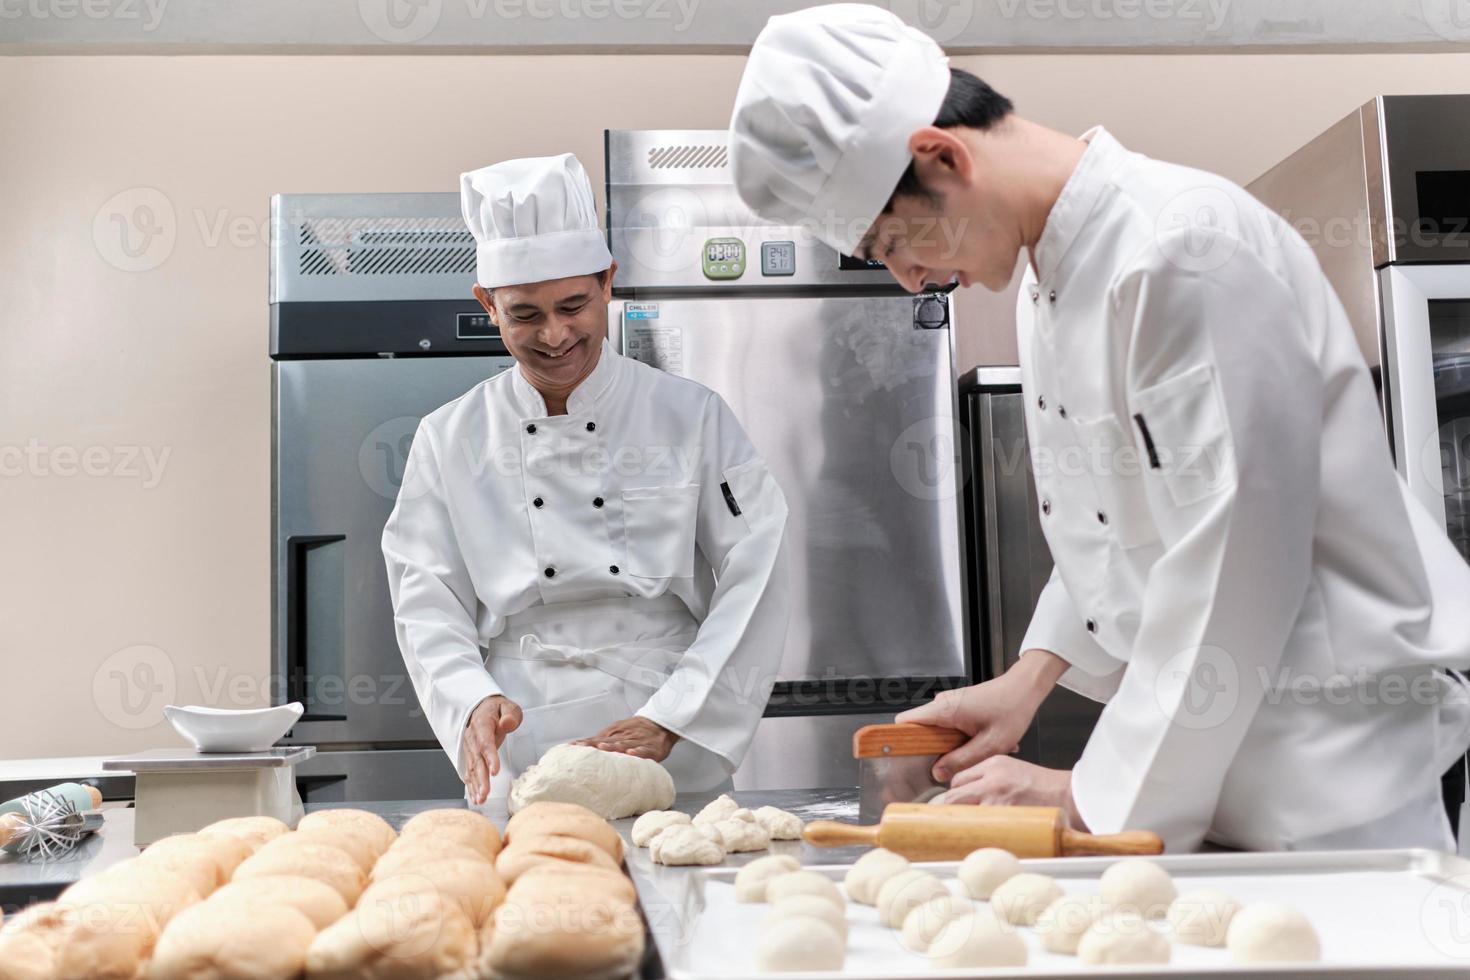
(830, 833)
(1077, 844)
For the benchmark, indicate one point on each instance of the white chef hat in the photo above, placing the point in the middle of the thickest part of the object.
(533, 220)
(824, 113)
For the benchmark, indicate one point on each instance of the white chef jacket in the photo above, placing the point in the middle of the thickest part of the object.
(1240, 573)
(622, 558)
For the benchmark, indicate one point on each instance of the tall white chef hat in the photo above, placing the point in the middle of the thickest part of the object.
(533, 220)
(824, 113)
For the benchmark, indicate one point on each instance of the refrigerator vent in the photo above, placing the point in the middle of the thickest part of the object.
(687, 157)
(385, 247)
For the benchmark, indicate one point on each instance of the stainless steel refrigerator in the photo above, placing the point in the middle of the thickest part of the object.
(372, 327)
(846, 385)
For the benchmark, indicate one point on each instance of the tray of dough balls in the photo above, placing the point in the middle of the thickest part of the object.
(1337, 914)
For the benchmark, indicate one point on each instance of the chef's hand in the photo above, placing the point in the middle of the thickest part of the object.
(634, 736)
(493, 719)
(1003, 781)
(994, 714)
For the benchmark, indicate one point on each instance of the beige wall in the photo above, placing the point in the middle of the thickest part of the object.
(131, 586)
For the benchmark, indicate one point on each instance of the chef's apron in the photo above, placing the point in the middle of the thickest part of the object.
(577, 667)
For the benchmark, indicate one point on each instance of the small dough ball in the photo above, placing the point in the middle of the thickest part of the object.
(329, 865)
(472, 885)
(46, 921)
(578, 879)
(779, 824)
(405, 855)
(925, 922)
(543, 931)
(526, 852)
(1065, 921)
(800, 944)
(220, 941)
(684, 845)
(364, 852)
(655, 822)
(207, 861)
(462, 826)
(720, 808)
(1138, 886)
(905, 892)
(1202, 918)
(740, 836)
(869, 873)
(25, 956)
(751, 880)
(106, 941)
(803, 883)
(985, 870)
(419, 935)
(1272, 932)
(815, 906)
(1020, 900)
(255, 831)
(525, 820)
(318, 901)
(977, 940)
(1122, 938)
(588, 827)
(138, 884)
(370, 825)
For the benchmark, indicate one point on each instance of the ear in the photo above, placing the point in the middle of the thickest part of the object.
(487, 300)
(941, 158)
(607, 282)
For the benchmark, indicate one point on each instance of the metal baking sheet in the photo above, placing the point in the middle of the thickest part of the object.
(1379, 914)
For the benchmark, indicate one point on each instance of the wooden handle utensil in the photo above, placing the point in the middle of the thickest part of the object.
(947, 832)
(887, 741)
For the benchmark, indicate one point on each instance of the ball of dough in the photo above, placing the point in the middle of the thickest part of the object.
(255, 831)
(1122, 938)
(925, 922)
(800, 943)
(1065, 921)
(612, 784)
(577, 879)
(369, 825)
(779, 824)
(905, 892)
(527, 817)
(1021, 899)
(977, 940)
(815, 906)
(802, 883)
(1202, 918)
(685, 845)
(1138, 886)
(318, 901)
(106, 941)
(738, 836)
(586, 826)
(462, 826)
(720, 808)
(24, 956)
(420, 935)
(405, 855)
(472, 885)
(544, 931)
(137, 884)
(46, 921)
(207, 862)
(869, 873)
(329, 865)
(751, 880)
(526, 852)
(1272, 932)
(220, 941)
(985, 870)
(364, 852)
(655, 822)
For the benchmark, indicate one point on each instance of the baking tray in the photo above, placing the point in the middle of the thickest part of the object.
(1382, 914)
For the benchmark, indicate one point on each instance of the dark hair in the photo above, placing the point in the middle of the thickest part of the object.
(970, 103)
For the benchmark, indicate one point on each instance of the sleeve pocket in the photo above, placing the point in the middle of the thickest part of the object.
(659, 525)
(1183, 423)
(754, 491)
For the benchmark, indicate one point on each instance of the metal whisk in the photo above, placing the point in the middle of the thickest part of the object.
(46, 826)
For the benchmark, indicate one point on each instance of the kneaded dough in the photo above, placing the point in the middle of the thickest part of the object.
(369, 825)
(578, 879)
(1202, 918)
(1138, 886)
(405, 855)
(985, 870)
(207, 861)
(905, 892)
(471, 885)
(462, 826)
(220, 941)
(583, 826)
(1122, 938)
(136, 883)
(685, 845)
(737, 836)
(977, 940)
(655, 822)
(422, 935)
(926, 921)
(24, 956)
(105, 941)
(45, 921)
(720, 808)
(329, 865)
(779, 824)
(1272, 932)
(542, 931)
(353, 843)
(803, 883)
(524, 820)
(318, 901)
(527, 852)
(814, 906)
(255, 831)
(1065, 921)
(751, 880)
(611, 784)
(800, 943)
(869, 873)
(1021, 899)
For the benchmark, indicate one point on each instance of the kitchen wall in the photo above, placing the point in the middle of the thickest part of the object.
(134, 383)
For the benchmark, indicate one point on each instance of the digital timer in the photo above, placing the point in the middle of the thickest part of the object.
(723, 258)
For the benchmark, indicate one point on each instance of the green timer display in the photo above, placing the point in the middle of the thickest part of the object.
(724, 258)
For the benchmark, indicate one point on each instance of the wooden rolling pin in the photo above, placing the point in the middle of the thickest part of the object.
(947, 832)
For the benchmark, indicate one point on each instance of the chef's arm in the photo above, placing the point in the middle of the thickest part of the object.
(1057, 627)
(1226, 403)
(719, 689)
(434, 601)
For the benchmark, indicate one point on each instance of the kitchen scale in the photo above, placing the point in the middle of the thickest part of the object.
(178, 791)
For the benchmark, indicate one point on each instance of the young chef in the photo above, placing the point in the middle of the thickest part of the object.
(1240, 574)
(584, 547)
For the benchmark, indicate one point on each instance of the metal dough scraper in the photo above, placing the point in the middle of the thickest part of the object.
(896, 762)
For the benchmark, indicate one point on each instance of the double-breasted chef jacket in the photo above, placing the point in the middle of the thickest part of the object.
(1240, 573)
(621, 559)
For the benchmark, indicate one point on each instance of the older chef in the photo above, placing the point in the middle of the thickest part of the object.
(1240, 574)
(584, 548)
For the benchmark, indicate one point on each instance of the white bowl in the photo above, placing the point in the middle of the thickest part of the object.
(224, 730)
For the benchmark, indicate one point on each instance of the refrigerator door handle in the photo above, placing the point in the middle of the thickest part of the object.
(314, 621)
